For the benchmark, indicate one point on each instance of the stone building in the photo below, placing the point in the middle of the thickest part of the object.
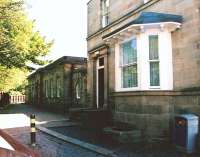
(144, 60)
(59, 85)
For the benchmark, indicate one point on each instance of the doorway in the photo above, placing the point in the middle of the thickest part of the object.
(100, 82)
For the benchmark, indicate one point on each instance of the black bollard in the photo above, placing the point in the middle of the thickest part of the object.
(33, 130)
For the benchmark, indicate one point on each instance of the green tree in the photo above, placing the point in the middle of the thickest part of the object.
(19, 42)
(13, 79)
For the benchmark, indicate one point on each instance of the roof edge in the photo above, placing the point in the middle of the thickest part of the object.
(158, 18)
(62, 60)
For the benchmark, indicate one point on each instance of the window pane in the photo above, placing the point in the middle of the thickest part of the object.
(101, 61)
(104, 12)
(46, 88)
(51, 88)
(129, 76)
(129, 50)
(78, 90)
(57, 87)
(154, 74)
(153, 47)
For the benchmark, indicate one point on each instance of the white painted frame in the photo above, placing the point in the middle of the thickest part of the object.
(159, 44)
(118, 73)
(97, 79)
(165, 64)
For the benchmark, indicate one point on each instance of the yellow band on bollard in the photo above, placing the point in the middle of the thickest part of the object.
(33, 130)
(32, 120)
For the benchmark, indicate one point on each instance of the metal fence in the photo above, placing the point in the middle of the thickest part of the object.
(6, 99)
(17, 99)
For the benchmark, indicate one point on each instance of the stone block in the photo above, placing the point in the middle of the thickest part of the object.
(123, 135)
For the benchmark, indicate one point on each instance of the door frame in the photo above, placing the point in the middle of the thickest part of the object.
(97, 79)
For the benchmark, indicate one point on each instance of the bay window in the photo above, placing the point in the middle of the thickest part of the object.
(144, 62)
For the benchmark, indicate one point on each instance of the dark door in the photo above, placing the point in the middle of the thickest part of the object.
(37, 94)
(101, 88)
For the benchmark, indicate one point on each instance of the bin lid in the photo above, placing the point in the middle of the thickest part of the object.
(187, 116)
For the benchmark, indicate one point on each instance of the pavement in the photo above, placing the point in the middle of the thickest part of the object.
(15, 121)
(18, 116)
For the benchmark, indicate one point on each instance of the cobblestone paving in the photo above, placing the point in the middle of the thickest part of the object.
(49, 146)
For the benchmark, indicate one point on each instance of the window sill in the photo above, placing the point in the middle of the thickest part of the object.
(127, 89)
(154, 88)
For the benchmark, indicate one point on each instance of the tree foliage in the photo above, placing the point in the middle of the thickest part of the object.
(13, 79)
(19, 42)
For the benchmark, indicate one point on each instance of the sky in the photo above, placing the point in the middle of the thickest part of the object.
(63, 21)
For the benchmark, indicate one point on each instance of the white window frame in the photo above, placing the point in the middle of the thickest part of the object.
(121, 66)
(143, 66)
(119, 81)
(153, 61)
(97, 78)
